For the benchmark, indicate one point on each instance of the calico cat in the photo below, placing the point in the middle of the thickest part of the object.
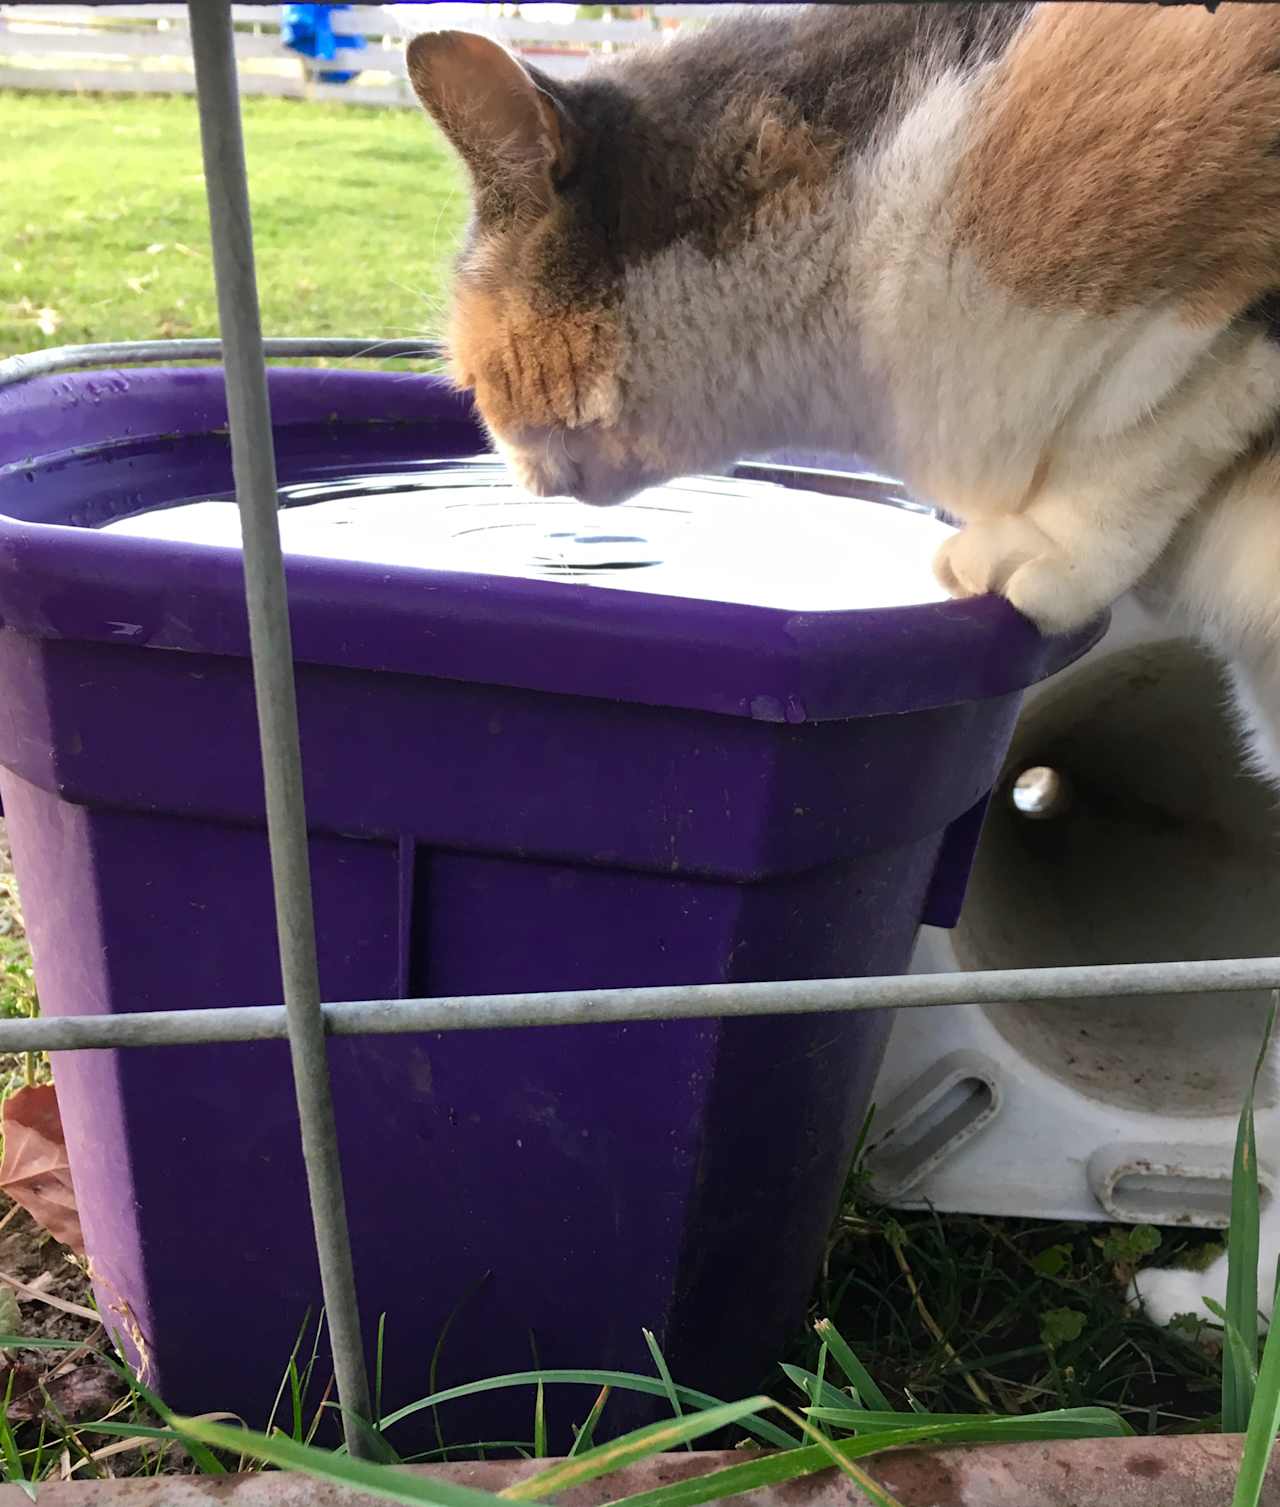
(1024, 257)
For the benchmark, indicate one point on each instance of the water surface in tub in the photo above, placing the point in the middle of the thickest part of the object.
(707, 538)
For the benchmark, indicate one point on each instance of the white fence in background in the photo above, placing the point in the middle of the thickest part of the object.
(146, 49)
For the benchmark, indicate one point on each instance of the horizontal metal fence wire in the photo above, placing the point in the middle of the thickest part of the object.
(73, 358)
(484, 1012)
(303, 1020)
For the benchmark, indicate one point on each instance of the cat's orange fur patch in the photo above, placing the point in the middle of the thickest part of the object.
(533, 370)
(1121, 153)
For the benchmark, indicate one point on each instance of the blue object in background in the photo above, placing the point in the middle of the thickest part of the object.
(308, 29)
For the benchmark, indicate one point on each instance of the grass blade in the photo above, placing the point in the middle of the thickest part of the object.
(1264, 1420)
(522, 1448)
(858, 1375)
(130, 1430)
(434, 1371)
(208, 1463)
(629, 1381)
(381, 1481)
(32, 1342)
(820, 1393)
(868, 1485)
(819, 1390)
(751, 1475)
(1236, 1357)
(289, 1376)
(377, 1365)
(307, 1375)
(1238, 1370)
(295, 1398)
(376, 1447)
(774, 1469)
(660, 1361)
(979, 1428)
(540, 1425)
(586, 1434)
(9, 1451)
(653, 1439)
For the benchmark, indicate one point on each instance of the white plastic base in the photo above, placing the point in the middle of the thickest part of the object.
(965, 1124)
(1103, 1110)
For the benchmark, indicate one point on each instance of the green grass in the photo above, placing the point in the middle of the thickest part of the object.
(840, 1416)
(104, 234)
(104, 237)
(957, 1310)
(828, 1423)
(1250, 1391)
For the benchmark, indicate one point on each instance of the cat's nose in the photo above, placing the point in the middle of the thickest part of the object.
(560, 478)
(606, 487)
(541, 465)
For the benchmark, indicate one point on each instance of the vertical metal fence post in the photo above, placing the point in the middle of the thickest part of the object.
(253, 461)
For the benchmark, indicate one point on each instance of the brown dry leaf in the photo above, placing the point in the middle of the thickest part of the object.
(83, 1393)
(35, 1172)
(87, 1392)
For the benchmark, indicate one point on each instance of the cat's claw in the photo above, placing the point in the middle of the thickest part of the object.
(1017, 560)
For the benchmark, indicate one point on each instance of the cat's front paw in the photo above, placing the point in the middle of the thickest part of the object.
(1017, 560)
(1164, 1292)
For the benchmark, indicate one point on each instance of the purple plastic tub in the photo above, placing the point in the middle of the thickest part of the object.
(512, 784)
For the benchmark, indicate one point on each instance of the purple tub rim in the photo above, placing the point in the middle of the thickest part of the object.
(63, 581)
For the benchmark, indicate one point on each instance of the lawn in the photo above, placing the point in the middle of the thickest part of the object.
(104, 234)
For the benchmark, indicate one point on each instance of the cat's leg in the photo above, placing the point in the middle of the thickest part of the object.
(1066, 557)
(1236, 567)
(1255, 692)
(1165, 1293)
(1220, 583)
(1110, 499)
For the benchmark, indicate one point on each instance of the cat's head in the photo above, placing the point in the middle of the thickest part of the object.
(598, 314)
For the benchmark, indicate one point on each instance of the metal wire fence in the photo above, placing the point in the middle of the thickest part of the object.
(303, 1019)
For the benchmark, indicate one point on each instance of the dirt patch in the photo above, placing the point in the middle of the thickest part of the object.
(38, 1379)
(35, 1259)
(73, 1383)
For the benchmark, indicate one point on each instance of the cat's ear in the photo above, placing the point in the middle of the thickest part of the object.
(513, 134)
